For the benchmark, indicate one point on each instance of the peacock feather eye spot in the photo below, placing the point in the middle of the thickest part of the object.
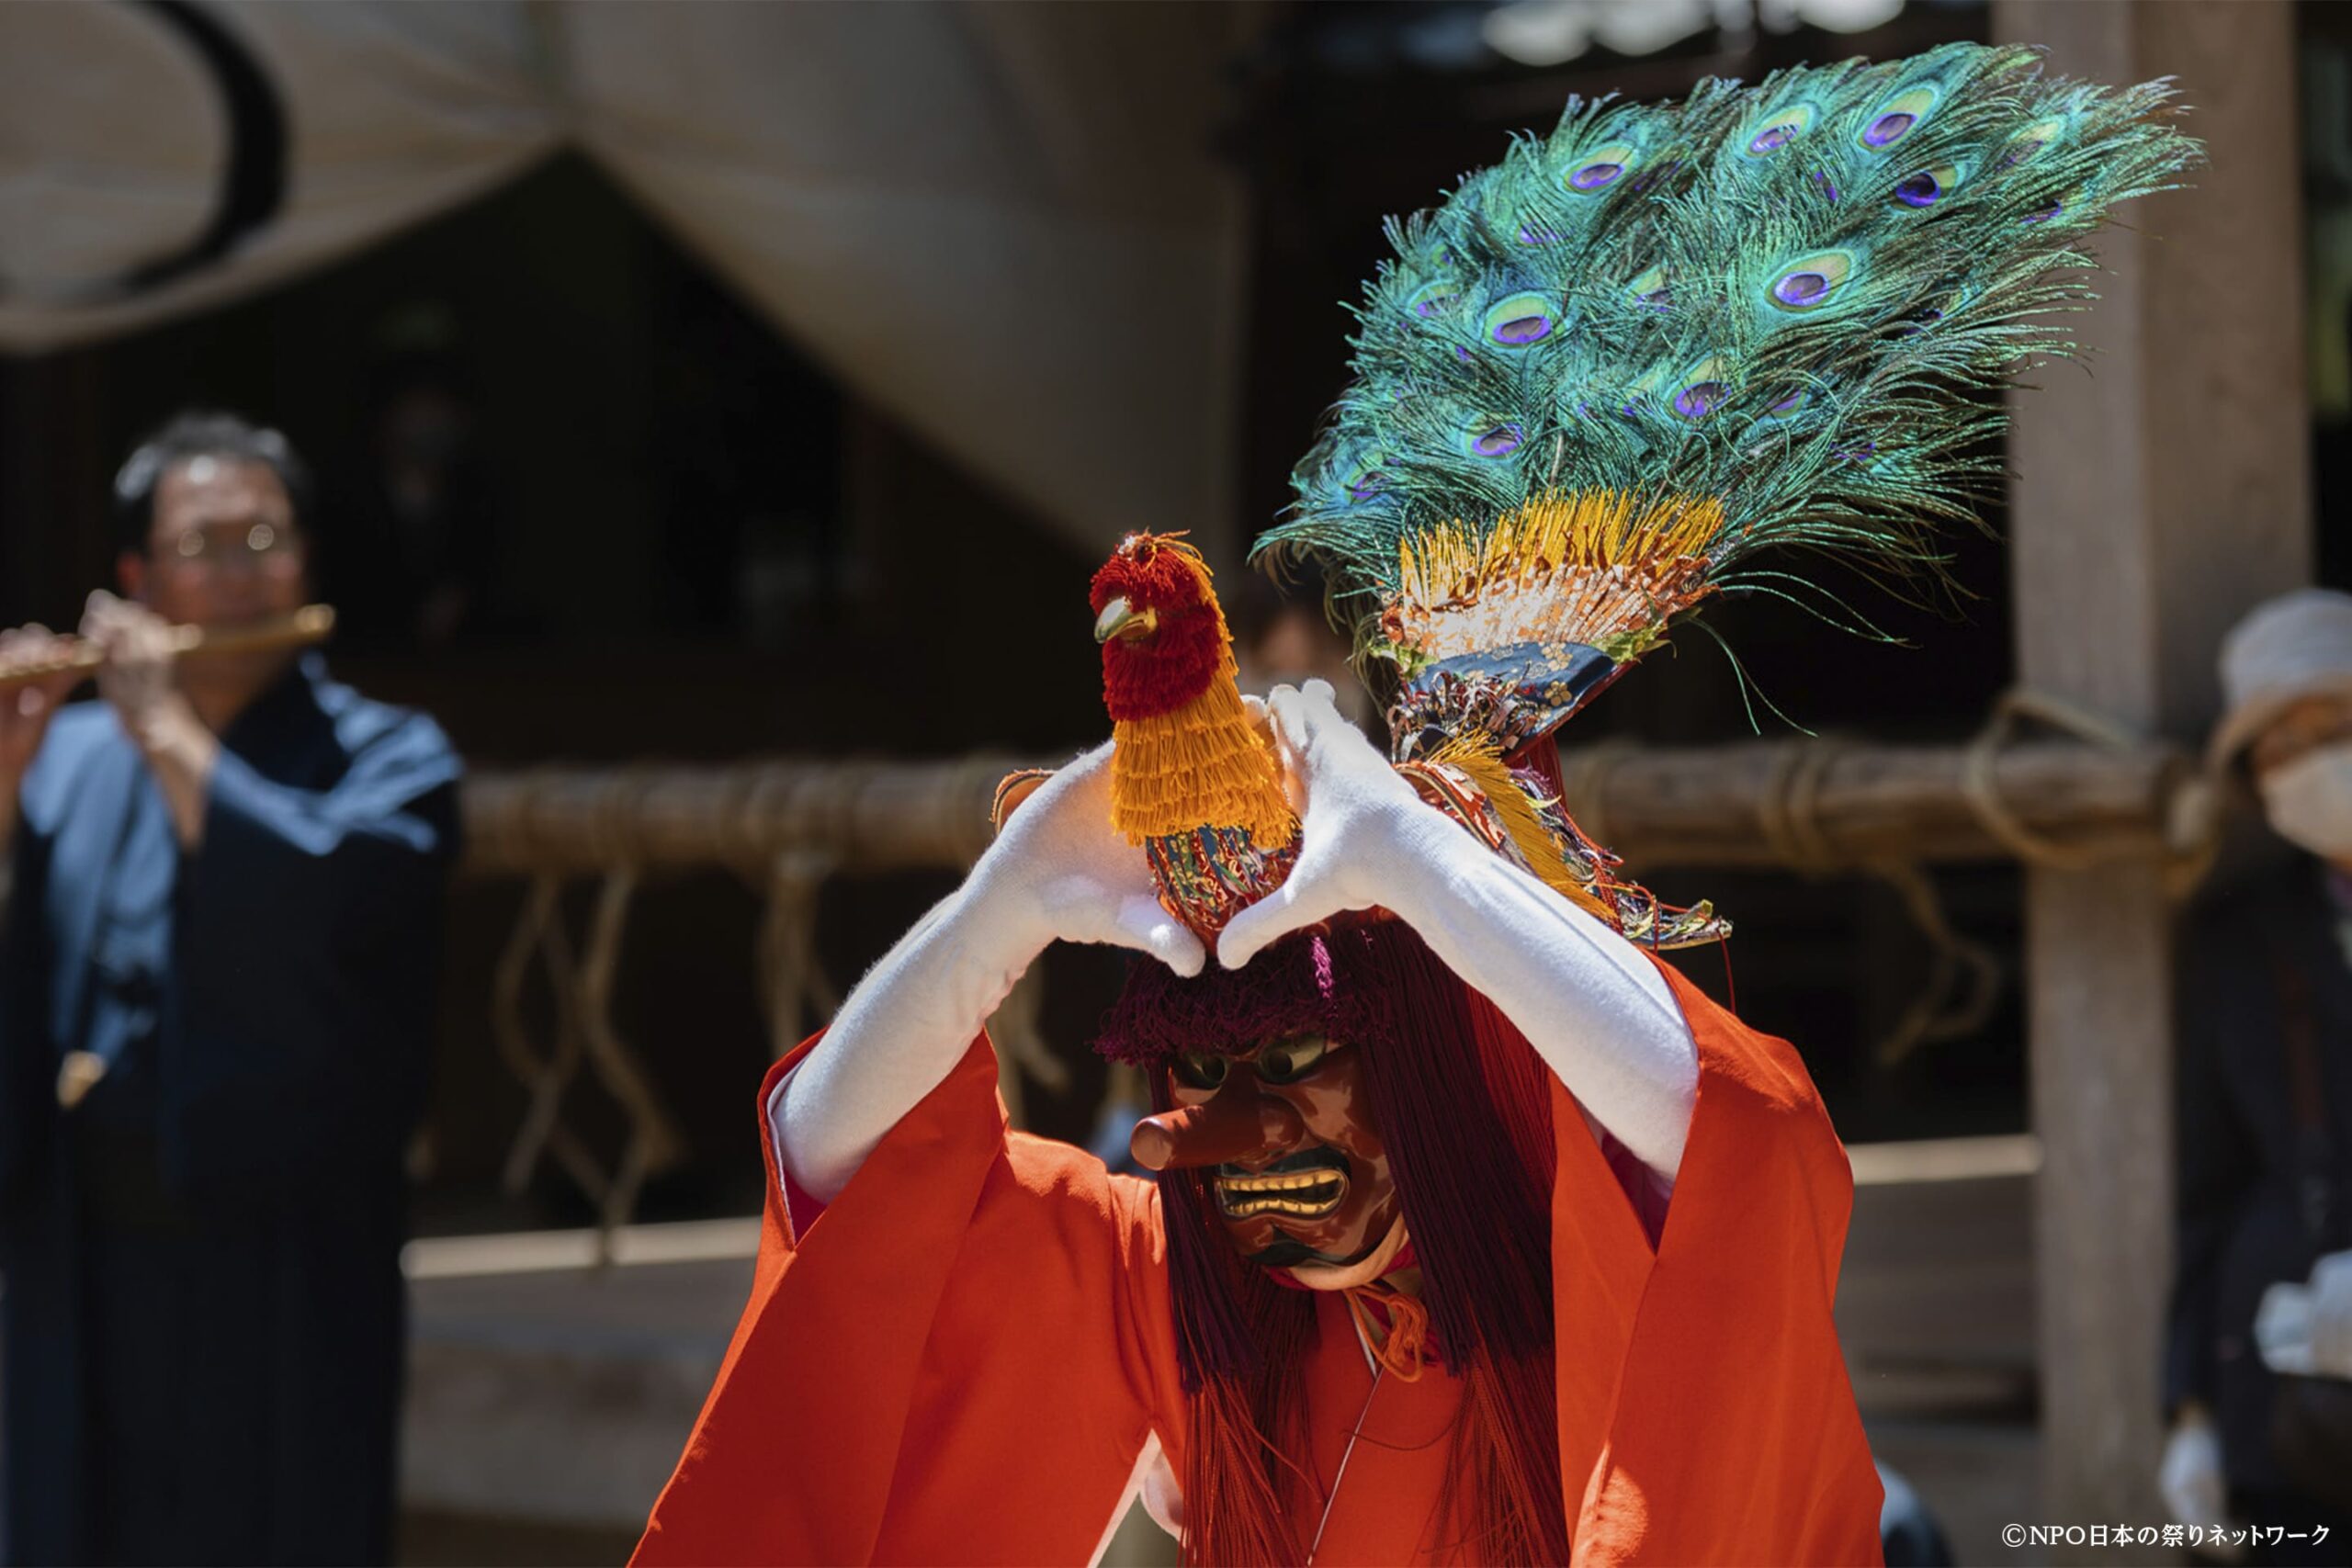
(1928, 186)
(1811, 281)
(1602, 169)
(1828, 186)
(1528, 236)
(1789, 404)
(1700, 399)
(2045, 215)
(1703, 389)
(1357, 472)
(1785, 126)
(1652, 288)
(1800, 289)
(1898, 117)
(1520, 320)
(2030, 143)
(1888, 129)
(1922, 322)
(1496, 440)
(1432, 299)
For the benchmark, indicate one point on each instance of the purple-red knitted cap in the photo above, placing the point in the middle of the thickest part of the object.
(1326, 981)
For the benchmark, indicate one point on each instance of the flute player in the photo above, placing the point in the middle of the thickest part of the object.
(216, 993)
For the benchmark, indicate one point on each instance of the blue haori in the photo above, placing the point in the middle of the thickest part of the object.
(202, 1324)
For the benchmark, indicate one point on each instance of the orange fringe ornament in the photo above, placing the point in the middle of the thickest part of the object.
(1601, 568)
(1204, 764)
(1482, 763)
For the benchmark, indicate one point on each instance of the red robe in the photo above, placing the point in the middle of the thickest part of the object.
(961, 1359)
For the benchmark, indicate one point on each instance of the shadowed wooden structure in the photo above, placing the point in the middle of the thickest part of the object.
(2157, 499)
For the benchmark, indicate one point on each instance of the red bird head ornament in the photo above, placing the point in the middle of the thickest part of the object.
(1193, 781)
(1164, 638)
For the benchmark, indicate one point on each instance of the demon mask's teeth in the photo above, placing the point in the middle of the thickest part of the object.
(1304, 1194)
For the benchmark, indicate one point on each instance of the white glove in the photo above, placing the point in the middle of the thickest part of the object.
(1597, 1011)
(2331, 1320)
(1058, 872)
(2190, 1476)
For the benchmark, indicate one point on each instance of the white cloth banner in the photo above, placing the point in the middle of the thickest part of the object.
(1000, 223)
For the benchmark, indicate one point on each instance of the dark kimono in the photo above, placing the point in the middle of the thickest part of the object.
(201, 1329)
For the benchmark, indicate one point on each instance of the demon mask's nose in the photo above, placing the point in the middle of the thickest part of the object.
(1235, 1125)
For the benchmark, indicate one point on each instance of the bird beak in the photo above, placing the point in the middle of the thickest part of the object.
(1120, 618)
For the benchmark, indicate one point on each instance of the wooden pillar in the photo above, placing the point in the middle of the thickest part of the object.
(2157, 498)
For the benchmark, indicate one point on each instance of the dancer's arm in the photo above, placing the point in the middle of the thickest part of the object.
(1058, 872)
(1597, 1010)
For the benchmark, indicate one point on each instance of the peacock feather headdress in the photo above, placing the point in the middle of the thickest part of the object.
(1609, 375)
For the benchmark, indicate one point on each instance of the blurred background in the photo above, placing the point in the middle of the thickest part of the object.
(718, 410)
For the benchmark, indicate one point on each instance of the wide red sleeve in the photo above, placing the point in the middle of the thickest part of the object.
(1705, 1413)
(959, 1359)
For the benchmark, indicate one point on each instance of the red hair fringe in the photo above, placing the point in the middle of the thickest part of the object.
(1464, 1105)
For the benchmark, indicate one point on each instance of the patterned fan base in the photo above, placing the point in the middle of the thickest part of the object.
(1503, 634)
(1210, 875)
(1508, 695)
(1559, 854)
